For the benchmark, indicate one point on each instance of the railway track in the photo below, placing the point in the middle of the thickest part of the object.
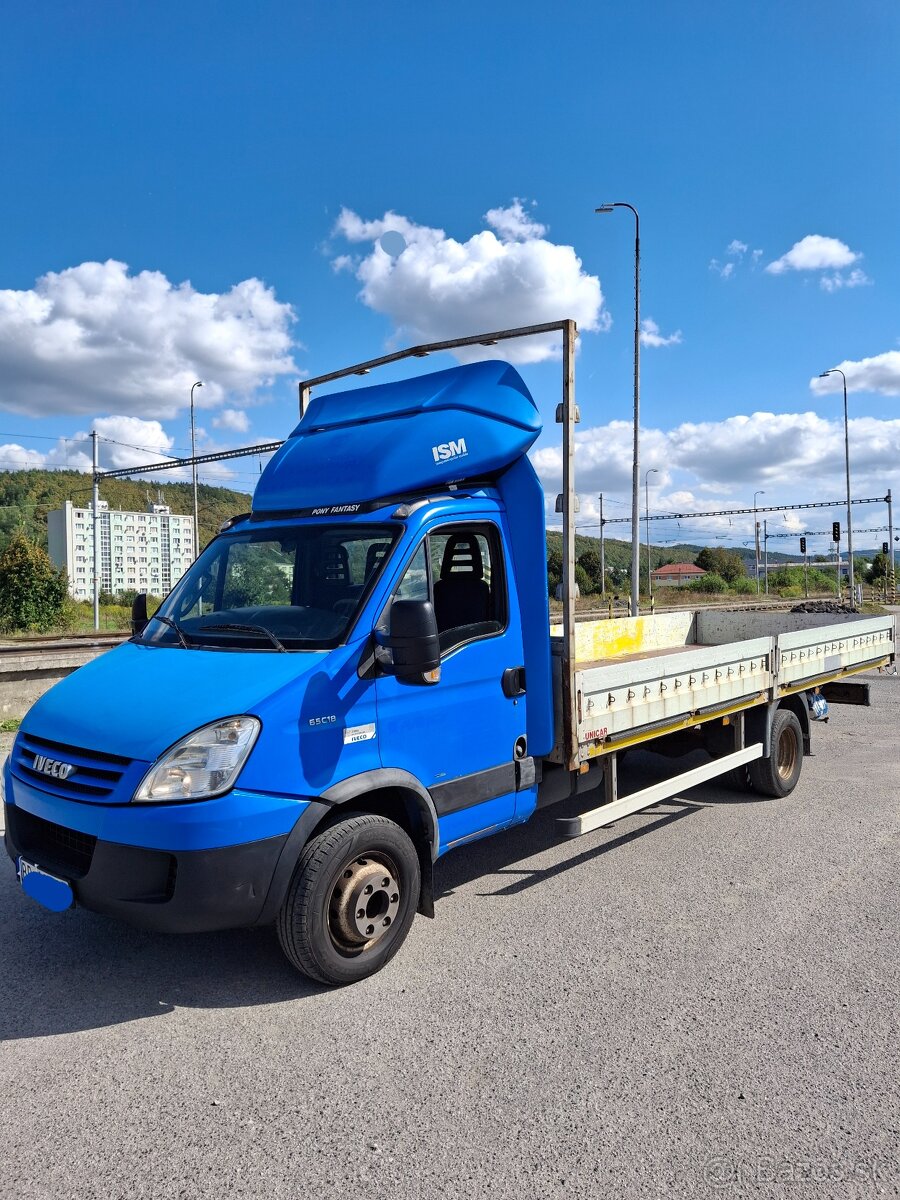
(57, 644)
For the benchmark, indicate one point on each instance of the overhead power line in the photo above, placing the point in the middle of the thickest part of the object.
(737, 512)
(200, 459)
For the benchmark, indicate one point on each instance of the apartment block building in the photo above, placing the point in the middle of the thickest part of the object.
(139, 551)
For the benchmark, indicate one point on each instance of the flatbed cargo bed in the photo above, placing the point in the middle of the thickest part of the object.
(638, 678)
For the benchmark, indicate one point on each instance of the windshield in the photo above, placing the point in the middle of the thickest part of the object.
(294, 588)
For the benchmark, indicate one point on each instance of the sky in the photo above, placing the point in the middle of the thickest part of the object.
(199, 191)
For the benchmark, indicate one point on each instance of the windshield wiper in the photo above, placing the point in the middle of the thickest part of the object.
(173, 625)
(242, 628)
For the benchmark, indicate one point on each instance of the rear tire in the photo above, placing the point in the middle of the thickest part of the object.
(738, 778)
(778, 774)
(351, 901)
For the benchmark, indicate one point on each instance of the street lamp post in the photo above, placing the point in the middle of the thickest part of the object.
(824, 375)
(636, 468)
(194, 473)
(652, 471)
(756, 536)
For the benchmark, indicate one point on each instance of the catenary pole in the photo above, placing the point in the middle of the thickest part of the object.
(95, 507)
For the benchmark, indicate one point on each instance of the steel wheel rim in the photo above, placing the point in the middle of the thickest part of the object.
(364, 903)
(787, 753)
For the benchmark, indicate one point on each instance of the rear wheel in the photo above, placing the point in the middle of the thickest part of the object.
(351, 901)
(778, 774)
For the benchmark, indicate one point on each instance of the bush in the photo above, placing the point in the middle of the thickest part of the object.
(586, 585)
(744, 587)
(709, 585)
(33, 592)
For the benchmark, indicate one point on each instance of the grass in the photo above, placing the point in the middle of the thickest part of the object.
(10, 724)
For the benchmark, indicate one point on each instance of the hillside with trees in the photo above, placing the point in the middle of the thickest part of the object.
(27, 496)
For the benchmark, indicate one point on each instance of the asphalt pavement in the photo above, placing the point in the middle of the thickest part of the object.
(699, 1001)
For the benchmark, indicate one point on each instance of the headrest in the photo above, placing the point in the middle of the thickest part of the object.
(462, 558)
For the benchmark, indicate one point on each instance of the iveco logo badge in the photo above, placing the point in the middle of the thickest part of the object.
(52, 766)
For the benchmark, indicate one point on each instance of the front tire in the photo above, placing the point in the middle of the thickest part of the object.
(778, 774)
(351, 901)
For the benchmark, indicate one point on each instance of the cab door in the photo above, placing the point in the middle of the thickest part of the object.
(461, 736)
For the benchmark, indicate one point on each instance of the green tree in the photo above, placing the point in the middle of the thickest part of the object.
(879, 568)
(554, 569)
(586, 585)
(34, 593)
(590, 562)
(716, 560)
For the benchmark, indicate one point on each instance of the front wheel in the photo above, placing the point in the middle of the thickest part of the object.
(778, 774)
(351, 901)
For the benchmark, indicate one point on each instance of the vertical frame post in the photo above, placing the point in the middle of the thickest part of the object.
(570, 500)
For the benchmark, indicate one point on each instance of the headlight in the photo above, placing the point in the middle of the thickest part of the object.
(205, 763)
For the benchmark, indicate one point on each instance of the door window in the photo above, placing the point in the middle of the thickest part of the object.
(466, 582)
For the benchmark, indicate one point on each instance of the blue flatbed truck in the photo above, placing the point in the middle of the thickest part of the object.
(360, 675)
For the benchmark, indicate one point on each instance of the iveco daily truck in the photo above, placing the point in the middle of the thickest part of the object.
(360, 675)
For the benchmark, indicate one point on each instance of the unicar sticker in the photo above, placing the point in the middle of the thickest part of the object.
(358, 733)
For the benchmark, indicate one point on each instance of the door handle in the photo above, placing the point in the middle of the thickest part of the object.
(513, 682)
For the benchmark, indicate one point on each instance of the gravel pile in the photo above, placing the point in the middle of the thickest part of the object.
(823, 606)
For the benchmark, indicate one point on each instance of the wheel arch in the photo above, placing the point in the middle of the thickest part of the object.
(387, 789)
(384, 792)
(758, 726)
(399, 796)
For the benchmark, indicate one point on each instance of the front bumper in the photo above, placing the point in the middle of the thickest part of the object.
(187, 868)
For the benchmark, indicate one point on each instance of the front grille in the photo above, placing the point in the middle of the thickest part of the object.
(50, 845)
(94, 775)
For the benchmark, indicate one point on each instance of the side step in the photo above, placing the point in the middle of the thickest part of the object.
(615, 808)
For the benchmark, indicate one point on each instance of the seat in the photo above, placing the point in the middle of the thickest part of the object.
(331, 576)
(374, 557)
(461, 596)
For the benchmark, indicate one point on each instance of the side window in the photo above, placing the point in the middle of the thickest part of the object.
(469, 584)
(414, 584)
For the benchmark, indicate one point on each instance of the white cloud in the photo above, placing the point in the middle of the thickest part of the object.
(234, 419)
(814, 253)
(513, 223)
(881, 373)
(14, 457)
(124, 441)
(855, 278)
(441, 288)
(94, 337)
(793, 457)
(650, 335)
(735, 251)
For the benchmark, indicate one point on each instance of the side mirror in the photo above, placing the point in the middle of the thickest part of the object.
(412, 639)
(139, 616)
